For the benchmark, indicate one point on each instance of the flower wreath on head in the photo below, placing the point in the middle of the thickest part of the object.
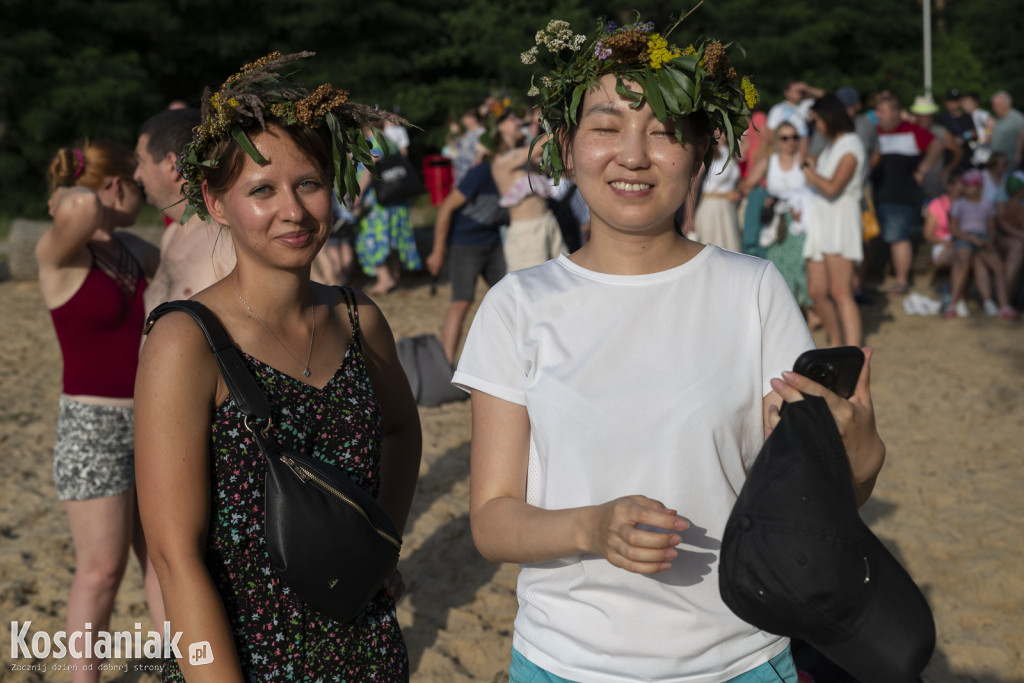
(500, 108)
(257, 94)
(675, 82)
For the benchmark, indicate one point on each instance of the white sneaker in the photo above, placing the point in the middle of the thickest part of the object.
(961, 309)
(991, 308)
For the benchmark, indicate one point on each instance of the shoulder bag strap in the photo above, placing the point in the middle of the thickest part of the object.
(246, 392)
(868, 201)
(353, 313)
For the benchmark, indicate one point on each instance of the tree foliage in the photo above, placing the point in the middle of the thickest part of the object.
(76, 68)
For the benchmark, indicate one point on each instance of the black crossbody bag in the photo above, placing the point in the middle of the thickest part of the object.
(328, 539)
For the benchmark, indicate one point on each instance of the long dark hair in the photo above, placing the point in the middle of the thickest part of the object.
(833, 114)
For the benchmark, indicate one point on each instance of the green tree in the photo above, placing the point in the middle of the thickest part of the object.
(865, 43)
(988, 47)
(56, 90)
(100, 67)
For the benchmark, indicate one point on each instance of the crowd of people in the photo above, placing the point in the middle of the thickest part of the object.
(603, 244)
(817, 164)
(814, 164)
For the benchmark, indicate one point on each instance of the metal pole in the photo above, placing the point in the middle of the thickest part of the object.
(926, 10)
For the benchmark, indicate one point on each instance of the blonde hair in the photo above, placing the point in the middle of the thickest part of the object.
(90, 164)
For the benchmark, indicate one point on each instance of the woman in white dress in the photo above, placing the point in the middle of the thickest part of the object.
(834, 244)
(716, 220)
(783, 238)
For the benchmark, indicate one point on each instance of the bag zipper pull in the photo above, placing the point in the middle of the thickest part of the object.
(300, 472)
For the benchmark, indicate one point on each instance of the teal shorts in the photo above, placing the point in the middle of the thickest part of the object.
(779, 670)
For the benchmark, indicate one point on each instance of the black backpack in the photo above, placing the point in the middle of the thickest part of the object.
(397, 181)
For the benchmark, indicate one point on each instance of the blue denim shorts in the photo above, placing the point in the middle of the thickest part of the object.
(898, 221)
(964, 244)
(780, 669)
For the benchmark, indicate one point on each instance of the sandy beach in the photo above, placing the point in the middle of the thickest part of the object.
(949, 396)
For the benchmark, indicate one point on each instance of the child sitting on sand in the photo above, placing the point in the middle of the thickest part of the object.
(936, 222)
(972, 222)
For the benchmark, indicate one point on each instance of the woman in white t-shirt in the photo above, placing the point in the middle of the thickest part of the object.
(619, 396)
(835, 233)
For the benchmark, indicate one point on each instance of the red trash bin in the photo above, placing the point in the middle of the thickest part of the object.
(437, 176)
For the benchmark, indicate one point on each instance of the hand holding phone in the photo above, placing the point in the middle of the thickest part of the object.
(836, 369)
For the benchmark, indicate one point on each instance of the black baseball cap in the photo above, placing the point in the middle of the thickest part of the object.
(798, 561)
(952, 94)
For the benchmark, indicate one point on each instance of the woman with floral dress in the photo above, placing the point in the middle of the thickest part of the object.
(326, 360)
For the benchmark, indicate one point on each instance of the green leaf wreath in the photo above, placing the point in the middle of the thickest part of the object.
(259, 93)
(676, 82)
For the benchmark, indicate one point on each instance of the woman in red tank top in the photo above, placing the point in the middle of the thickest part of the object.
(92, 279)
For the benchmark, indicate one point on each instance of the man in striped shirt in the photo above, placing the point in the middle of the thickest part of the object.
(906, 152)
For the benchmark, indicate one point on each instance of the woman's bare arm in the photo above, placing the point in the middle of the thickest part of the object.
(76, 217)
(442, 226)
(403, 437)
(175, 392)
(832, 187)
(508, 529)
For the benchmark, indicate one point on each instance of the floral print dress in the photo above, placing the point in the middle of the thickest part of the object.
(278, 637)
(385, 229)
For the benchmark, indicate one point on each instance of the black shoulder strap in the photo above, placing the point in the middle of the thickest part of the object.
(353, 314)
(243, 387)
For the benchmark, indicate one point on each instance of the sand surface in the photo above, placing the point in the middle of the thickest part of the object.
(950, 501)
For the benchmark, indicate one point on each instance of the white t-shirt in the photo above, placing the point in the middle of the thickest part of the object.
(787, 112)
(648, 384)
(723, 174)
(397, 135)
(981, 120)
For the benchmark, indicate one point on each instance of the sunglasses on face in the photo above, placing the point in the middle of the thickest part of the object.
(787, 138)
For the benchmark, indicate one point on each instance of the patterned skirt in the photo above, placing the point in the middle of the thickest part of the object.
(384, 230)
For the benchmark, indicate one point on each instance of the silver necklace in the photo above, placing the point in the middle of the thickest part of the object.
(312, 308)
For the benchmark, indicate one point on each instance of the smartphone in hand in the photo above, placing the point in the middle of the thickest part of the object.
(836, 369)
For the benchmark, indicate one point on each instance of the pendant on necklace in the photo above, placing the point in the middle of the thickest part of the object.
(306, 372)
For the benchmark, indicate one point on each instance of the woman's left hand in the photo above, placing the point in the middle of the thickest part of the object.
(394, 586)
(854, 417)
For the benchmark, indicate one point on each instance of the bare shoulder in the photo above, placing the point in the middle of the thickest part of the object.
(373, 326)
(371, 318)
(75, 199)
(75, 218)
(176, 352)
